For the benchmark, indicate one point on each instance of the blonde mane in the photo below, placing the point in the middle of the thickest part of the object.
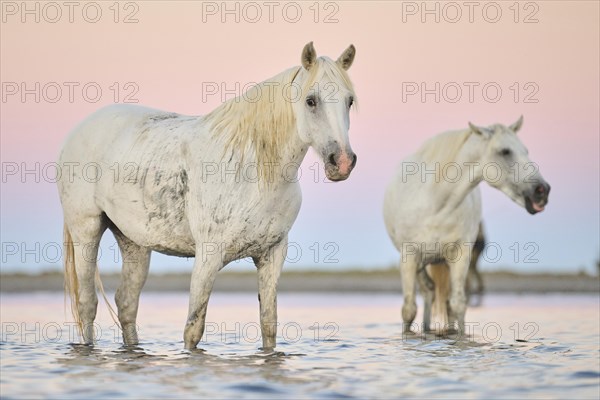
(443, 148)
(262, 122)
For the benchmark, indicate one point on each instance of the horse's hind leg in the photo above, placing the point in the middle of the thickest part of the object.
(474, 271)
(427, 291)
(269, 269)
(474, 283)
(440, 276)
(136, 260)
(86, 233)
(408, 270)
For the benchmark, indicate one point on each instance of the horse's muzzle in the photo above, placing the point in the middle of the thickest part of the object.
(339, 165)
(537, 198)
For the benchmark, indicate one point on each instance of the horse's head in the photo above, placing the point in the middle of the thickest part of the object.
(506, 166)
(322, 109)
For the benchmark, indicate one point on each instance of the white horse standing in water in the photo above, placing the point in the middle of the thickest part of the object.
(432, 211)
(219, 187)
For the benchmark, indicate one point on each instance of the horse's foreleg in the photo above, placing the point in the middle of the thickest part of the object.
(136, 260)
(408, 271)
(204, 273)
(269, 268)
(459, 268)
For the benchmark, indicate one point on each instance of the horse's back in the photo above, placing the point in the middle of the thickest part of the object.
(105, 128)
(105, 142)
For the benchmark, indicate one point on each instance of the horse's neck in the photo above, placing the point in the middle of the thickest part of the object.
(285, 169)
(291, 156)
(296, 149)
(452, 192)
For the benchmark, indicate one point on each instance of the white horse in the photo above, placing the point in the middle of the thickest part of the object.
(432, 210)
(219, 187)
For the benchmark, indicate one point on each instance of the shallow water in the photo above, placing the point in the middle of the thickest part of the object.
(329, 346)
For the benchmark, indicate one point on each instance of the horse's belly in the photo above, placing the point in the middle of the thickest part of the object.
(171, 237)
(165, 233)
(151, 211)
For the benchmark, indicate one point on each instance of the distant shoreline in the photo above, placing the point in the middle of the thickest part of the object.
(378, 281)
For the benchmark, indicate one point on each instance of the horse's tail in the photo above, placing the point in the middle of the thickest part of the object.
(440, 275)
(71, 282)
(111, 310)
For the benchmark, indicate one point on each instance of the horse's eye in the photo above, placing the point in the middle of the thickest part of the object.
(350, 102)
(310, 101)
(505, 152)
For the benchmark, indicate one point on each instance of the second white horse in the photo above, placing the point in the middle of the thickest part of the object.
(432, 209)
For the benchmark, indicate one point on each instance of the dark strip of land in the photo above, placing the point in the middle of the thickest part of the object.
(378, 281)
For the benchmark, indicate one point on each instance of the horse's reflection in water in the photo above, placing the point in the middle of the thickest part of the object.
(184, 365)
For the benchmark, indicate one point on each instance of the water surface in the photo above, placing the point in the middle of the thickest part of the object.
(329, 346)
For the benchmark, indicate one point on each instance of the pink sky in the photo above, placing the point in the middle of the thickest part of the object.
(171, 52)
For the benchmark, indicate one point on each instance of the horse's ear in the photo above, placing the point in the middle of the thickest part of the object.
(517, 125)
(347, 58)
(309, 56)
(480, 130)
